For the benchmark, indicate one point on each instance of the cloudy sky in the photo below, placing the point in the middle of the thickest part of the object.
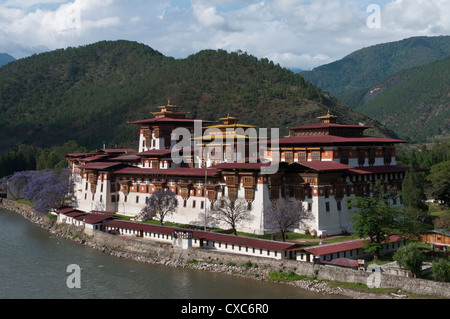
(294, 33)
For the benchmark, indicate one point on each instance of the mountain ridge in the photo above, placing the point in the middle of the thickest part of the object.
(415, 102)
(383, 79)
(91, 92)
(363, 68)
(5, 58)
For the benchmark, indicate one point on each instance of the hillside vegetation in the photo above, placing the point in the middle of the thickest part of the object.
(363, 68)
(88, 94)
(414, 102)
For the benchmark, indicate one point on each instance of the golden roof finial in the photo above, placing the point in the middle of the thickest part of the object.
(329, 118)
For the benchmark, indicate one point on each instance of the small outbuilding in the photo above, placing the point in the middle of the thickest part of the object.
(439, 239)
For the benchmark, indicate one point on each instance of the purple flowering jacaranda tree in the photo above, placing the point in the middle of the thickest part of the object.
(17, 182)
(49, 190)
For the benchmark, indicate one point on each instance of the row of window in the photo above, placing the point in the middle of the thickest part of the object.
(240, 248)
(205, 243)
(302, 156)
(344, 157)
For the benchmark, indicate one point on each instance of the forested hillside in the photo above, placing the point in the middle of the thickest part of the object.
(414, 102)
(88, 94)
(363, 68)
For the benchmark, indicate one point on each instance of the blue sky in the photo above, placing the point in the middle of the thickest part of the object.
(294, 33)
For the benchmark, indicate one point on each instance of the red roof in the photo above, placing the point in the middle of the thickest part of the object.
(236, 165)
(324, 165)
(378, 169)
(244, 241)
(126, 158)
(169, 171)
(140, 226)
(100, 165)
(155, 153)
(74, 214)
(117, 150)
(333, 139)
(326, 249)
(94, 158)
(92, 218)
(102, 212)
(163, 120)
(342, 262)
(216, 237)
(326, 125)
(65, 210)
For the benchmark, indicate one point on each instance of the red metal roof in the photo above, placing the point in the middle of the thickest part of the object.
(324, 165)
(102, 212)
(155, 153)
(333, 139)
(326, 125)
(326, 249)
(92, 218)
(94, 158)
(74, 214)
(342, 262)
(126, 158)
(117, 150)
(378, 169)
(65, 210)
(168, 171)
(169, 120)
(244, 241)
(216, 237)
(140, 226)
(100, 165)
(236, 165)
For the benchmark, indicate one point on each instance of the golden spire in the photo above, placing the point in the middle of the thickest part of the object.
(329, 118)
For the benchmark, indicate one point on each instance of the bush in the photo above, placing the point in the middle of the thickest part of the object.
(441, 270)
(411, 258)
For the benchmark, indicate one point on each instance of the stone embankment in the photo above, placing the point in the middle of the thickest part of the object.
(143, 250)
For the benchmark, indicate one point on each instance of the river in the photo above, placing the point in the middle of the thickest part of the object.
(34, 264)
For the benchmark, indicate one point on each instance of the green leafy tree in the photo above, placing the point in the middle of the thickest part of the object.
(410, 222)
(374, 220)
(411, 258)
(413, 195)
(414, 217)
(439, 179)
(441, 270)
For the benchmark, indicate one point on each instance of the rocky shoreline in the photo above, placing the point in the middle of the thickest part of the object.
(248, 272)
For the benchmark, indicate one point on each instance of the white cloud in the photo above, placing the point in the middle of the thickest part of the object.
(418, 15)
(294, 33)
(207, 15)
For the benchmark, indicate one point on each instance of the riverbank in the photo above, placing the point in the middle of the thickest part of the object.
(149, 252)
